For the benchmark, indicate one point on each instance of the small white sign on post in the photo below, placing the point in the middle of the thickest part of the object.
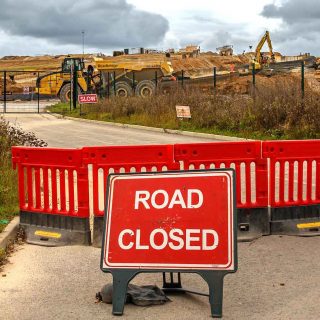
(26, 90)
(183, 112)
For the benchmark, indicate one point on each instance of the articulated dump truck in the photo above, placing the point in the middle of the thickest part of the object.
(111, 76)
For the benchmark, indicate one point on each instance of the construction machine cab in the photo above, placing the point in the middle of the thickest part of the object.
(69, 62)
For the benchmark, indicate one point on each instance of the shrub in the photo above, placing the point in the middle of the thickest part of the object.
(11, 136)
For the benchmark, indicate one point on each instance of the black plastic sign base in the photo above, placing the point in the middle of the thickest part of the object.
(214, 279)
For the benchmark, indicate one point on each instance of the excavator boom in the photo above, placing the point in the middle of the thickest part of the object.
(258, 57)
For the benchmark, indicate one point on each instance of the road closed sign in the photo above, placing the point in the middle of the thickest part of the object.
(170, 220)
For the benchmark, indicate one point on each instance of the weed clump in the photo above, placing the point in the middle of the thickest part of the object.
(11, 136)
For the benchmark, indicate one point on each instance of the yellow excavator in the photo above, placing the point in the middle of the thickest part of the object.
(261, 60)
(122, 77)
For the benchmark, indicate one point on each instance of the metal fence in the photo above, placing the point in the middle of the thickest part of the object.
(18, 92)
(18, 89)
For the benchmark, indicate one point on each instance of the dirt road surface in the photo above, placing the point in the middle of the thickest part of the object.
(278, 277)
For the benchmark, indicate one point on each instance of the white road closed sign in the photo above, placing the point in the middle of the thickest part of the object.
(183, 112)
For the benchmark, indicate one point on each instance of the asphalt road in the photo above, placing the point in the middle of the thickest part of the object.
(25, 106)
(278, 277)
(71, 134)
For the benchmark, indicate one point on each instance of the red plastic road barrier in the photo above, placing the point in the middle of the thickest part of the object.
(121, 159)
(52, 181)
(294, 172)
(56, 181)
(244, 157)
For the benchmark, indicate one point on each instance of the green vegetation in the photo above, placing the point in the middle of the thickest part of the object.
(273, 112)
(10, 136)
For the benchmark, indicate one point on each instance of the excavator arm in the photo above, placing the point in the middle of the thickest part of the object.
(263, 40)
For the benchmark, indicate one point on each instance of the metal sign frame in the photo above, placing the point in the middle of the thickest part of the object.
(214, 278)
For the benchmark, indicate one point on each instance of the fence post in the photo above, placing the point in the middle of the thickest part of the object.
(108, 85)
(133, 81)
(88, 81)
(114, 83)
(75, 86)
(254, 74)
(156, 80)
(302, 79)
(71, 85)
(215, 77)
(182, 78)
(101, 86)
(38, 95)
(5, 91)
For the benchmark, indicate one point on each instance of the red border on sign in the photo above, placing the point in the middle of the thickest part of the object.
(229, 266)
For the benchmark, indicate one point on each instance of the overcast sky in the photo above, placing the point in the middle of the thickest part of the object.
(33, 27)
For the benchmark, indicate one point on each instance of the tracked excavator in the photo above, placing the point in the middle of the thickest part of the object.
(123, 77)
(261, 60)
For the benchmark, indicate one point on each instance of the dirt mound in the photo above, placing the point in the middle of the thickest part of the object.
(203, 64)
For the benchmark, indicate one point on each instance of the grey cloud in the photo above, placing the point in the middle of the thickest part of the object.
(299, 30)
(107, 23)
(210, 32)
(293, 11)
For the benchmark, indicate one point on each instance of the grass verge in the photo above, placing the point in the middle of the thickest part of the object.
(276, 111)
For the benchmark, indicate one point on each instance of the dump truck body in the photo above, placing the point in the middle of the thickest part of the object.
(123, 78)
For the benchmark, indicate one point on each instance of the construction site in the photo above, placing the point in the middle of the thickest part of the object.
(150, 175)
(141, 71)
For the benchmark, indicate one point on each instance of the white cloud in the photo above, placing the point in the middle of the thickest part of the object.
(205, 22)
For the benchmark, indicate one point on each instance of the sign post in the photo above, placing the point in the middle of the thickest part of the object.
(179, 221)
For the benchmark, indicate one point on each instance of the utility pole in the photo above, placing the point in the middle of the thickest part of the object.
(82, 32)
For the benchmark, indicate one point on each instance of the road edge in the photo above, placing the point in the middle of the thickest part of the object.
(9, 233)
(161, 130)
